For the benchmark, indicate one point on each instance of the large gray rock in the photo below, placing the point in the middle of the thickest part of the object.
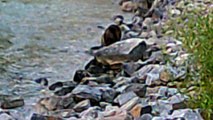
(126, 50)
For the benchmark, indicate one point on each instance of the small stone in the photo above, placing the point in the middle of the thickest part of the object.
(104, 104)
(138, 89)
(41, 117)
(55, 85)
(124, 98)
(64, 91)
(164, 76)
(108, 94)
(114, 113)
(87, 92)
(81, 106)
(80, 74)
(130, 104)
(11, 103)
(136, 111)
(42, 81)
(152, 90)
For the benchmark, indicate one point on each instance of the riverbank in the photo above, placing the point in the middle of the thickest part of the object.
(145, 88)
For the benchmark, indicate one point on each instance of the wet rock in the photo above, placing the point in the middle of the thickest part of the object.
(122, 51)
(101, 79)
(55, 85)
(81, 106)
(130, 104)
(87, 92)
(42, 81)
(80, 74)
(11, 103)
(124, 98)
(64, 91)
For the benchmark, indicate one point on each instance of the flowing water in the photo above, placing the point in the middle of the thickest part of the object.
(47, 38)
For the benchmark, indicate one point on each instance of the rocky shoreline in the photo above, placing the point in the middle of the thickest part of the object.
(133, 78)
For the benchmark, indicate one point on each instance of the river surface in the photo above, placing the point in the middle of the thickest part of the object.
(48, 38)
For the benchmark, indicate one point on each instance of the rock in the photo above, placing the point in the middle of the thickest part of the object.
(106, 79)
(186, 114)
(42, 81)
(41, 117)
(54, 103)
(5, 116)
(95, 68)
(146, 117)
(177, 101)
(152, 90)
(114, 113)
(11, 103)
(124, 98)
(108, 94)
(122, 51)
(146, 107)
(138, 89)
(55, 85)
(80, 74)
(64, 91)
(81, 106)
(150, 73)
(162, 107)
(136, 111)
(87, 92)
(130, 67)
(165, 76)
(130, 104)
(91, 113)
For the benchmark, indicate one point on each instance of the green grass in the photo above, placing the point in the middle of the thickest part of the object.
(197, 36)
